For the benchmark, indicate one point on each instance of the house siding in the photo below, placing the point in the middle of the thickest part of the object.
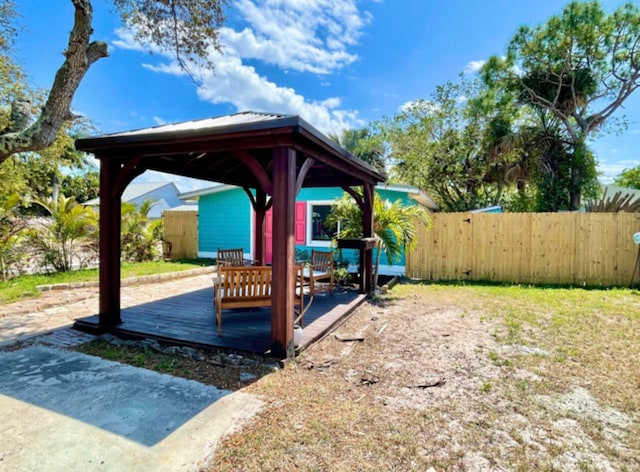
(224, 221)
(164, 198)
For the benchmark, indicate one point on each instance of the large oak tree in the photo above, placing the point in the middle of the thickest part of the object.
(189, 28)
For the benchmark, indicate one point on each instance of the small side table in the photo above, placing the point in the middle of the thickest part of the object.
(364, 246)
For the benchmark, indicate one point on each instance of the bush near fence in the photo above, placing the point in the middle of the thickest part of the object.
(539, 248)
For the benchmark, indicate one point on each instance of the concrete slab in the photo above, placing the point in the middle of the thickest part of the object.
(63, 410)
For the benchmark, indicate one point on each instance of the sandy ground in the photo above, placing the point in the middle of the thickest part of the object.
(435, 359)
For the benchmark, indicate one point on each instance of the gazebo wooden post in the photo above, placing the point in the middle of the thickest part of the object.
(367, 232)
(110, 214)
(259, 239)
(259, 230)
(283, 282)
(260, 205)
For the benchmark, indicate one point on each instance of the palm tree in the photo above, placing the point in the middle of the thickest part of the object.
(394, 226)
(140, 235)
(59, 241)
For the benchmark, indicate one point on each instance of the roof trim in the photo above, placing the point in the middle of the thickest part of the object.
(414, 193)
(207, 191)
(157, 186)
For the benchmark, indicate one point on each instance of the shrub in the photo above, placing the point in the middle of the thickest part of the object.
(11, 236)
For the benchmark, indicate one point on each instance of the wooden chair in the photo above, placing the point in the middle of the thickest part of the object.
(232, 257)
(319, 268)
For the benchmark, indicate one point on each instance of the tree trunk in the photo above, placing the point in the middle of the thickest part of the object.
(55, 185)
(377, 266)
(577, 166)
(575, 194)
(79, 56)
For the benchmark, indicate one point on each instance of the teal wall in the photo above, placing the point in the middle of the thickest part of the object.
(319, 194)
(224, 220)
(333, 193)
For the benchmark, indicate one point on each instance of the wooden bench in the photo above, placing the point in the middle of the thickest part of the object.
(249, 287)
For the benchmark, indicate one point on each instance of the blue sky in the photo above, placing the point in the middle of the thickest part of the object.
(337, 63)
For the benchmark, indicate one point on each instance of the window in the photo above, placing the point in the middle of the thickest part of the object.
(320, 233)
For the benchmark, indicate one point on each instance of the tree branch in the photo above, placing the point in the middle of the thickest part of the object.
(79, 56)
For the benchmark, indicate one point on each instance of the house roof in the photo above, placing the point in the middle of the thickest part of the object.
(420, 196)
(246, 121)
(221, 149)
(489, 209)
(186, 207)
(215, 188)
(136, 190)
(611, 190)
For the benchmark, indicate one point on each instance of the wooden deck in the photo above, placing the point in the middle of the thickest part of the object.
(189, 319)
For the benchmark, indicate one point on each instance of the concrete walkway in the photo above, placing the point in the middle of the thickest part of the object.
(66, 411)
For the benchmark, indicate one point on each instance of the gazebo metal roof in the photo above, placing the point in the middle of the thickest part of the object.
(212, 148)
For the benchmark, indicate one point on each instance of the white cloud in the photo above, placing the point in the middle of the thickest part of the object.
(419, 105)
(242, 86)
(303, 35)
(308, 36)
(474, 66)
(609, 171)
(159, 121)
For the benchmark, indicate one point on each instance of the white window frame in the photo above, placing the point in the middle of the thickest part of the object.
(314, 242)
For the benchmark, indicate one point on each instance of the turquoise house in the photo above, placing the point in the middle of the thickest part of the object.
(226, 220)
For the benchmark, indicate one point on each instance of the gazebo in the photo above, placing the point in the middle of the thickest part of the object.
(270, 156)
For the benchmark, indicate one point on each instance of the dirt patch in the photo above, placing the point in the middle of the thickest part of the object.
(432, 379)
(225, 370)
(434, 354)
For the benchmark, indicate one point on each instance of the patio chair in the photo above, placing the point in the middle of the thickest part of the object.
(233, 257)
(229, 258)
(319, 268)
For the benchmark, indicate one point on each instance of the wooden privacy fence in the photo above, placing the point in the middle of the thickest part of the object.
(180, 238)
(554, 248)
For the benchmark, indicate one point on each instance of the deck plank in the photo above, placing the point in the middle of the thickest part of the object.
(189, 319)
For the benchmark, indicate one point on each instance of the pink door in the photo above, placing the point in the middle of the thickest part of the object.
(300, 229)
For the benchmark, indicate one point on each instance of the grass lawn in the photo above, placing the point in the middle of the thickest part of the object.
(25, 285)
(455, 377)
